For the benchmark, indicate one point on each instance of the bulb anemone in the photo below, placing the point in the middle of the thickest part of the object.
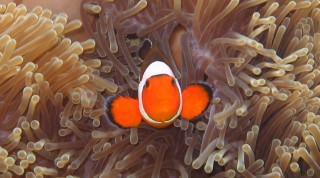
(260, 57)
(48, 92)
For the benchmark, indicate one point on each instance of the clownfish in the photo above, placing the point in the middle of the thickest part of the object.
(160, 99)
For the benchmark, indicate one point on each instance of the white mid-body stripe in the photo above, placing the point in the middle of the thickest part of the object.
(156, 68)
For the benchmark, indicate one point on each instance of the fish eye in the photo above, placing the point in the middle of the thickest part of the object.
(173, 82)
(146, 85)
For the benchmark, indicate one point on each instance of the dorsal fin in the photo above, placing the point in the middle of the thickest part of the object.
(149, 53)
(144, 48)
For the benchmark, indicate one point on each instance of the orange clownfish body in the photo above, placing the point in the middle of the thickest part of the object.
(160, 100)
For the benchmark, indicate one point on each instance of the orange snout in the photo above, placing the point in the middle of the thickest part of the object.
(161, 98)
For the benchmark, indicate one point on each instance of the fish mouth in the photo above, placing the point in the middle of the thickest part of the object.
(150, 119)
(154, 121)
(172, 119)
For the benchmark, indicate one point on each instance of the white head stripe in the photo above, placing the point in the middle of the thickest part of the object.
(156, 68)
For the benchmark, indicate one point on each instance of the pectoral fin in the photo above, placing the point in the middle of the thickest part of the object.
(195, 100)
(124, 111)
